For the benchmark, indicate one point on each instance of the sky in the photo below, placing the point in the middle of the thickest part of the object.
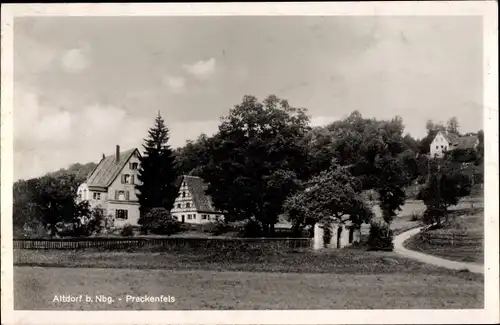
(82, 85)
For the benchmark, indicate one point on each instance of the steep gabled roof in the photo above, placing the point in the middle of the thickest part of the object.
(467, 142)
(197, 188)
(451, 137)
(108, 169)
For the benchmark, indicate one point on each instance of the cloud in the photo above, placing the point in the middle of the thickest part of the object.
(75, 60)
(202, 69)
(175, 84)
(47, 138)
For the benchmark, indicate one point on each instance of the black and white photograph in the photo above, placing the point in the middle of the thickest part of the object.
(246, 162)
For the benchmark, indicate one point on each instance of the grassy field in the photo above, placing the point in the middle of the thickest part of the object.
(467, 246)
(345, 278)
(35, 288)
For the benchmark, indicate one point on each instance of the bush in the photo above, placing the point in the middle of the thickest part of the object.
(215, 228)
(380, 237)
(251, 229)
(159, 221)
(127, 230)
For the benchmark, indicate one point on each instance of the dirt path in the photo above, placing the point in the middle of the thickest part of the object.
(429, 259)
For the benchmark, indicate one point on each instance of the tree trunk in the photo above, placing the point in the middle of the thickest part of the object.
(271, 229)
(53, 231)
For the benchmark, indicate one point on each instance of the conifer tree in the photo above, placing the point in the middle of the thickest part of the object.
(157, 172)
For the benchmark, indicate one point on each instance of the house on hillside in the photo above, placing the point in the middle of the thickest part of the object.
(193, 205)
(446, 141)
(111, 187)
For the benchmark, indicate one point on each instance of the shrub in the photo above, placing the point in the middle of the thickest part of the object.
(380, 237)
(251, 229)
(160, 222)
(215, 228)
(127, 230)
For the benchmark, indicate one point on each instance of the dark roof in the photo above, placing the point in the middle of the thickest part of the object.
(467, 142)
(451, 137)
(108, 169)
(462, 142)
(197, 188)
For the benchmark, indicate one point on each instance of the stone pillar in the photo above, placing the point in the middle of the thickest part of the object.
(318, 237)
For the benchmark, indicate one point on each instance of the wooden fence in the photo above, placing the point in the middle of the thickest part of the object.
(168, 243)
(453, 239)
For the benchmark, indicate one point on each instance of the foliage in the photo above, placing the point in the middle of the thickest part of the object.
(462, 155)
(447, 185)
(160, 222)
(377, 155)
(380, 237)
(215, 228)
(256, 159)
(452, 125)
(189, 158)
(47, 201)
(252, 228)
(80, 171)
(157, 173)
(333, 194)
(127, 230)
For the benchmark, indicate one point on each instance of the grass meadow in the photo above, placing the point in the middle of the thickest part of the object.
(225, 280)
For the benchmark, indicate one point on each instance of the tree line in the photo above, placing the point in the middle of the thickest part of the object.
(266, 161)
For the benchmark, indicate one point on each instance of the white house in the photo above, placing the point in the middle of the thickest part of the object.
(446, 141)
(111, 187)
(193, 205)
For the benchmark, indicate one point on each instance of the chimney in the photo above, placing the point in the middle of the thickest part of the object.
(117, 153)
(103, 156)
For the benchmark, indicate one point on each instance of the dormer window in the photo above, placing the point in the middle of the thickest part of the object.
(188, 205)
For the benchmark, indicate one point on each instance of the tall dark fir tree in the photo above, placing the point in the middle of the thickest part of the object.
(157, 173)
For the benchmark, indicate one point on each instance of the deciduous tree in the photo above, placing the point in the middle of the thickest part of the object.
(257, 159)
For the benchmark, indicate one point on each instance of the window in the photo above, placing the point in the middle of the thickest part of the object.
(79, 195)
(189, 217)
(122, 195)
(178, 206)
(442, 147)
(204, 217)
(437, 147)
(133, 166)
(188, 205)
(183, 194)
(121, 214)
(127, 179)
(97, 196)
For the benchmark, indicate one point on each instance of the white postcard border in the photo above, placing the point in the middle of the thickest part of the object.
(490, 314)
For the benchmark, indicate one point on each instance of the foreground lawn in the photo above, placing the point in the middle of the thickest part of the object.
(251, 279)
(468, 247)
(252, 259)
(36, 287)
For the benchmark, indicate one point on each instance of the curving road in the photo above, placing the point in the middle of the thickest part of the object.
(429, 259)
